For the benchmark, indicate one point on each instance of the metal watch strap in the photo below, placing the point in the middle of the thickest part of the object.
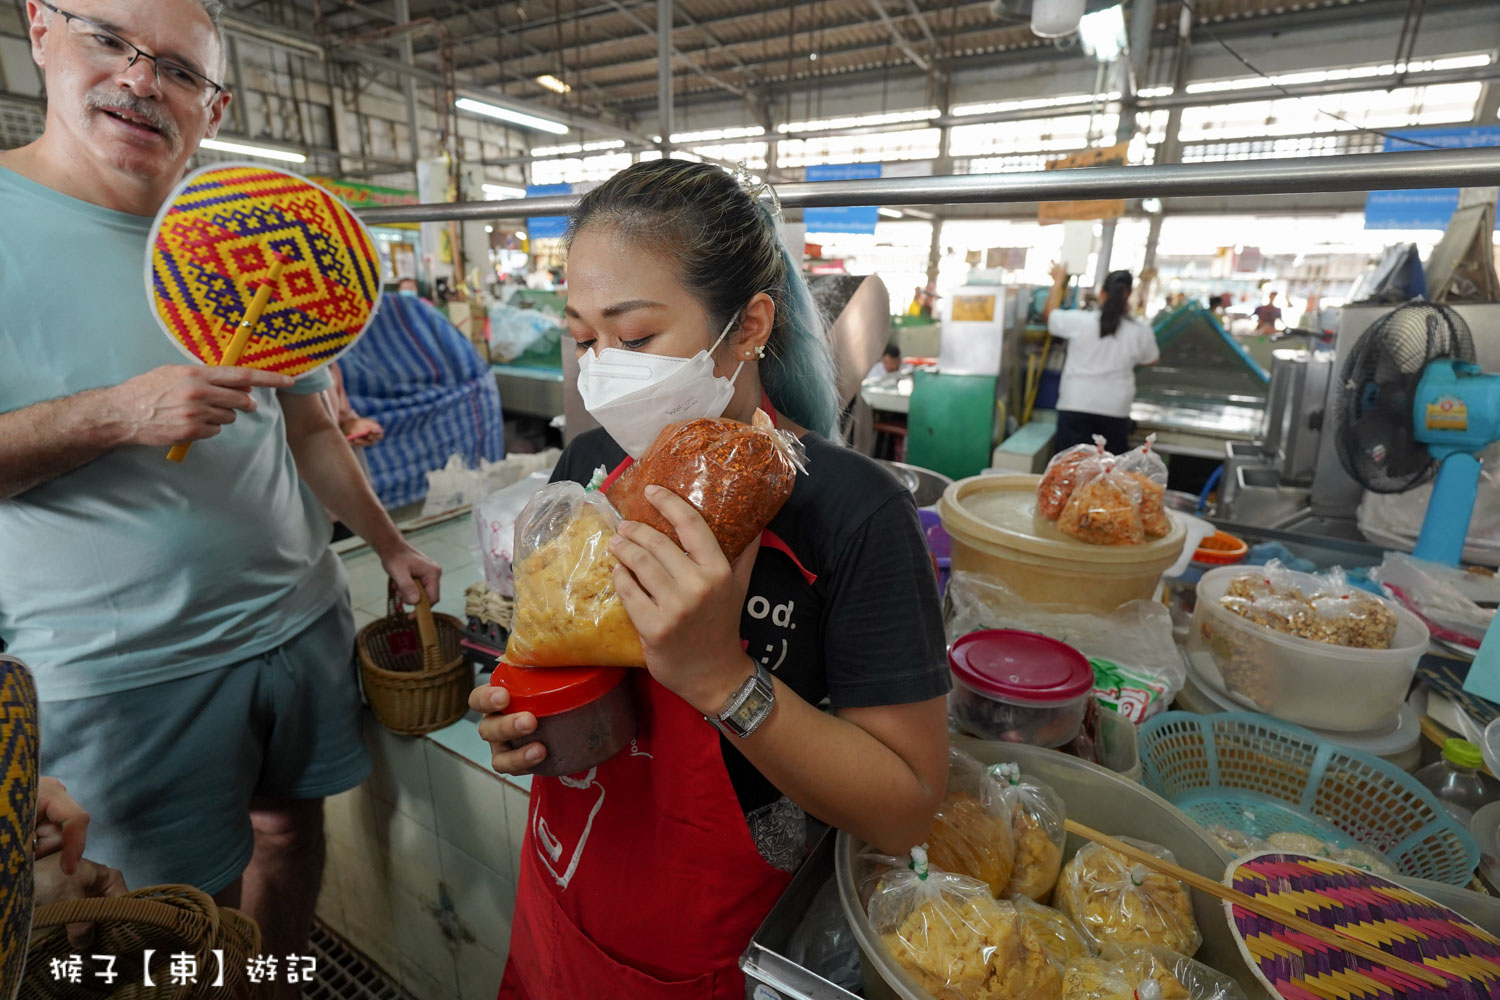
(749, 706)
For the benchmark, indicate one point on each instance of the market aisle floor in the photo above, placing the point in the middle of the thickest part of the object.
(422, 857)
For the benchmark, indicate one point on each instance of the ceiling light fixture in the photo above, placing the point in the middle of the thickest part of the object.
(513, 117)
(500, 192)
(266, 152)
(553, 84)
(891, 213)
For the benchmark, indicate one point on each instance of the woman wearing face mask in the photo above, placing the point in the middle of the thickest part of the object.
(646, 877)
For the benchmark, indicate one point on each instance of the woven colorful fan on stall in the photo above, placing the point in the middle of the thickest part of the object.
(252, 266)
(1377, 911)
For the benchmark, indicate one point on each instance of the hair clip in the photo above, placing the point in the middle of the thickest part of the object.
(760, 191)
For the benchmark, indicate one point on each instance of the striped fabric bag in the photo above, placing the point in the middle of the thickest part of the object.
(421, 378)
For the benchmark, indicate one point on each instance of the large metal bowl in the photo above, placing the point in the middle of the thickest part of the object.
(1098, 798)
(927, 486)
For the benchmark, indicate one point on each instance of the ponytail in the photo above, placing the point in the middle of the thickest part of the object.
(1116, 297)
(798, 372)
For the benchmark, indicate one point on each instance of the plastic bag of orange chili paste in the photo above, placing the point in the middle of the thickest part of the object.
(567, 611)
(736, 475)
(1068, 470)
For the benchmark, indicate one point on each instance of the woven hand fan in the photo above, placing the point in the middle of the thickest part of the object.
(253, 266)
(1372, 909)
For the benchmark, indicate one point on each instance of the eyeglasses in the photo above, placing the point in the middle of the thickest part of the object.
(105, 49)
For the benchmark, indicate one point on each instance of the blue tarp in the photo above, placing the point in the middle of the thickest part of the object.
(427, 385)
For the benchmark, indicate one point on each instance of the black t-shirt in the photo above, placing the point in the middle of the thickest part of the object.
(869, 630)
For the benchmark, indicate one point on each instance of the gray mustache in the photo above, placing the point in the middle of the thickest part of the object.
(137, 106)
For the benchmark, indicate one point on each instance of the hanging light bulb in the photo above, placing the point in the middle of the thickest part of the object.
(1055, 18)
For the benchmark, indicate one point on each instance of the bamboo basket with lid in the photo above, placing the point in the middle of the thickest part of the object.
(416, 680)
(995, 530)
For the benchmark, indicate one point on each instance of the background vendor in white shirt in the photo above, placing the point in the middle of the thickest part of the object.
(1104, 348)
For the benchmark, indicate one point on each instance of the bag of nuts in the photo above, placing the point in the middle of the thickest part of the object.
(736, 475)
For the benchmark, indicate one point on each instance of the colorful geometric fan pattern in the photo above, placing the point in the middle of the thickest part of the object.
(19, 761)
(217, 240)
(1374, 910)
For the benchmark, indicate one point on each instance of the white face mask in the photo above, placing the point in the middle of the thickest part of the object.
(634, 395)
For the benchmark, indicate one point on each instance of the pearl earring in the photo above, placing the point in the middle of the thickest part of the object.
(760, 352)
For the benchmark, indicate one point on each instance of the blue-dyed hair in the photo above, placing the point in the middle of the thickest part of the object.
(727, 250)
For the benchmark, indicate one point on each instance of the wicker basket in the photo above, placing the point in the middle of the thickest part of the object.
(170, 920)
(416, 680)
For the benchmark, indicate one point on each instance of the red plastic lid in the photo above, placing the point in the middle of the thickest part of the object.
(1021, 666)
(554, 690)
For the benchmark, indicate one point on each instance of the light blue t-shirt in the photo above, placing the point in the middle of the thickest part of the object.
(134, 570)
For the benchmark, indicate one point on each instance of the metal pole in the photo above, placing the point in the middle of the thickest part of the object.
(1171, 146)
(409, 84)
(1363, 172)
(664, 72)
(1142, 17)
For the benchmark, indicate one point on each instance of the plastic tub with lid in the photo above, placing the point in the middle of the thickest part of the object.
(1315, 684)
(1018, 687)
(995, 530)
(584, 715)
(1398, 741)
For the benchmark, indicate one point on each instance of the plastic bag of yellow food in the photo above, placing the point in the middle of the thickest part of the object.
(1060, 937)
(1146, 974)
(956, 941)
(567, 613)
(1116, 901)
(1067, 470)
(971, 833)
(1036, 816)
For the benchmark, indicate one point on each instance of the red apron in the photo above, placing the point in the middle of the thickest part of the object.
(639, 879)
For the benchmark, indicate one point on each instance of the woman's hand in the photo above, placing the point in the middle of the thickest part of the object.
(685, 603)
(1059, 273)
(506, 733)
(405, 565)
(88, 880)
(61, 825)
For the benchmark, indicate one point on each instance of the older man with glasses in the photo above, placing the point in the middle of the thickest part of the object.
(189, 628)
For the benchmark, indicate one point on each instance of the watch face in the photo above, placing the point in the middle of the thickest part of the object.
(755, 708)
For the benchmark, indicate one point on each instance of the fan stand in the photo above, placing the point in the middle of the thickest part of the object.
(1446, 525)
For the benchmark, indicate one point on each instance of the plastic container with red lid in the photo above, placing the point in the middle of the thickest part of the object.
(1019, 687)
(584, 715)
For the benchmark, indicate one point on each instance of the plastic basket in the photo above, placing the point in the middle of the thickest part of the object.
(1254, 774)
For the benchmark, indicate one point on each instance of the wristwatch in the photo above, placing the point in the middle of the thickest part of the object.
(749, 707)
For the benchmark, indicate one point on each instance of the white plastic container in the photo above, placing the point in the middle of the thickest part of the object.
(1314, 684)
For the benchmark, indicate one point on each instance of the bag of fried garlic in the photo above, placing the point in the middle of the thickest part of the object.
(971, 833)
(1146, 974)
(955, 940)
(1145, 466)
(1116, 901)
(567, 613)
(737, 476)
(1037, 814)
(1060, 937)
(1066, 471)
(1106, 510)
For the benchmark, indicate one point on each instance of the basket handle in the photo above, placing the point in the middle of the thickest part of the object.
(131, 909)
(432, 653)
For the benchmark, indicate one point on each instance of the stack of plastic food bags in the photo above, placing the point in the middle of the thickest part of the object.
(567, 611)
(1334, 612)
(1103, 499)
(956, 940)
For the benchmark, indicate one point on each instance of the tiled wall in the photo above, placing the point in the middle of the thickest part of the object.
(422, 864)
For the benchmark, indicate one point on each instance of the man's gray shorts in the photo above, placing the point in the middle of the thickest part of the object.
(167, 772)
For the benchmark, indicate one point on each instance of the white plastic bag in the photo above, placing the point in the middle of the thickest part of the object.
(1138, 669)
(1444, 595)
(494, 520)
(514, 331)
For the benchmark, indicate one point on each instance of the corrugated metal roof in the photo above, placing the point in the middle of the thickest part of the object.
(606, 49)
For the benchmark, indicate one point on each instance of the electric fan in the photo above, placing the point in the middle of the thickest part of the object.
(1412, 401)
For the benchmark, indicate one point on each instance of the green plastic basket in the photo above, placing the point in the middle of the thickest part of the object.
(1260, 776)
